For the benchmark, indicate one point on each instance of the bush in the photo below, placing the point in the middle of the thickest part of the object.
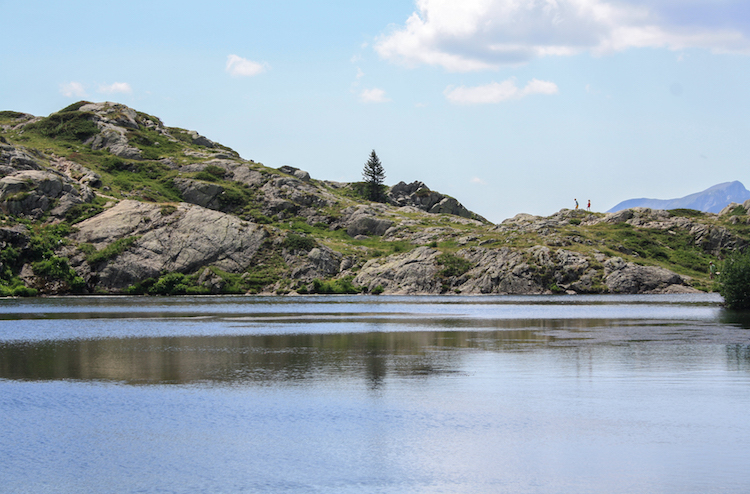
(453, 265)
(67, 126)
(734, 281)
(298, 242)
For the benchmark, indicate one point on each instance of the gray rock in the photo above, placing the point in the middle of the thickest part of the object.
(200, 193)
(201, 140)
(14, 159)
(368, 225)
(33, 192)
(408, 273)
(626, 277)
(184, 241)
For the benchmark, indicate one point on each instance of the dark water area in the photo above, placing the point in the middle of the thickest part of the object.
(528, 394)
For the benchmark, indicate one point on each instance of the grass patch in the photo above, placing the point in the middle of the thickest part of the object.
(66, 126)
(112, 250)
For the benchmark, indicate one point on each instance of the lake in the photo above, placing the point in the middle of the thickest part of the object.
(358, 394)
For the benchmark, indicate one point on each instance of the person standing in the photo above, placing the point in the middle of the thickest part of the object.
(588, 208)
(576, 200)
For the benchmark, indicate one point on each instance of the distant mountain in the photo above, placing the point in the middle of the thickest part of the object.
(711, 200)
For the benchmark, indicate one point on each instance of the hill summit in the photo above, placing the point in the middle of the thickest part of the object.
(102, 198)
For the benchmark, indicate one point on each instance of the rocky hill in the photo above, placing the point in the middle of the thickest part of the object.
(101, 198)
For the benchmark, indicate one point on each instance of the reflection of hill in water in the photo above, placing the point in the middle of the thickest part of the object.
(249, 359)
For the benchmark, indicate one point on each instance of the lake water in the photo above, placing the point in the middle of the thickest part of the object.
(532, 394)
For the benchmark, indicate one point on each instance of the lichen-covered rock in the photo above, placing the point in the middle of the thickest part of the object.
(14, 159)
(409, 273)
(627, 277)
(33, 192)
(185, 240)
(199, 193)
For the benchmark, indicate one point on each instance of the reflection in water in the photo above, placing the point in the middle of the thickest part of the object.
(251, 358)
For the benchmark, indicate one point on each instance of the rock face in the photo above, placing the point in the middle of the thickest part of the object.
(417, 194)
(183, 241)
(623, 277)
(33, 192)
(410, 273)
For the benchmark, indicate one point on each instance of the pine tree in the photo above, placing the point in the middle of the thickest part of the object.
(374, 176)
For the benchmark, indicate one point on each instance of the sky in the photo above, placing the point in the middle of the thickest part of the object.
(510, 106)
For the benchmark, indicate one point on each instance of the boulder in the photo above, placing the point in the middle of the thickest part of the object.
(409, 273)
(199, 193)
(14, 159)
(184, 241)
(367, 225)
(627, 277)
(33, 192)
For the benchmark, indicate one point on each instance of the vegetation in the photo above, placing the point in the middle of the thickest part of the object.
(374, 175)
(112, 250)
(453, 265)
(66, 125)
(734, 280)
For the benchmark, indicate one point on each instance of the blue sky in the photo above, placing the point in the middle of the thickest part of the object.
(508, 105)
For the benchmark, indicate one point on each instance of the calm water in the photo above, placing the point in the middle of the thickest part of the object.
(573, 394)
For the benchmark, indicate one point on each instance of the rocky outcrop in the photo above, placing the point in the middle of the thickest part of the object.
(184, 240)
(33, 192)
(626, 277)
(417, 194)
(199, 193)
(14, 159)
(410, 273)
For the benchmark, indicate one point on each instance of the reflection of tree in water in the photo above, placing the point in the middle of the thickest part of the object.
(738, 357)
(250, 359)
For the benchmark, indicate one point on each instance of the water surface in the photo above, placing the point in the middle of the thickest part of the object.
(531, 394)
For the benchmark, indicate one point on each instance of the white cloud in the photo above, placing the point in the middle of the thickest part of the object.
(117, 87)
(373, 95)
(478, 181)
(485, 34)
(72, 89)
(238, 66)
(495, 92)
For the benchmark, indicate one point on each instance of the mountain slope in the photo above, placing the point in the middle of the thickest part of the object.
(101, 198)
(711, 200)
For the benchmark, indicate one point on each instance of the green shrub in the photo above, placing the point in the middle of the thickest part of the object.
(734, 280)
(81, 212)
(112, 250)
(453, 265)
(339, 287)
(298, 242)
(67, 126)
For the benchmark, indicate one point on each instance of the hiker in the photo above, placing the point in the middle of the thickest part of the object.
(576, 200)
(588, 208)
(711, 270)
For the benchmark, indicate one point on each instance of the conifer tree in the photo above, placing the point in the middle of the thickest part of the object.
(374, 176)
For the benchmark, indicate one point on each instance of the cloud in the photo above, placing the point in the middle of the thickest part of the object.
(373, 95)
(485, 34)
(238, 66)
(117, 87)
(72, 89)
(478, 181)
(495, 92)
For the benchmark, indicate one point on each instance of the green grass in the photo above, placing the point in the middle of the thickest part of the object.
(66, 126)
(112, 250)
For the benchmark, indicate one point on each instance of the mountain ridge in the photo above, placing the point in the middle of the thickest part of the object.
(711, 200)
